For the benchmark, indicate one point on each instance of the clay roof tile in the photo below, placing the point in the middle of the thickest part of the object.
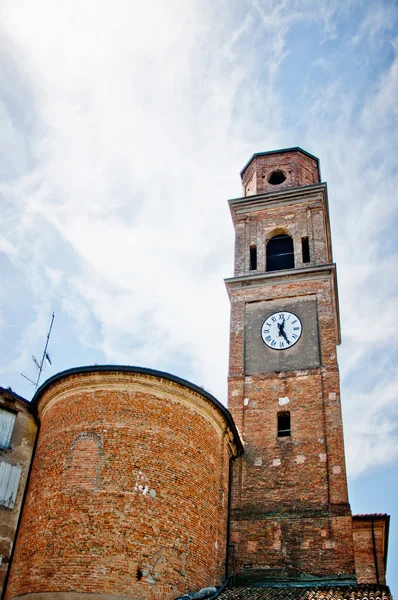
(356, 592)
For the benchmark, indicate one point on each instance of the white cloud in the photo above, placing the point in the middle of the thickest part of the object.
(373, 417)
(127, 140)
(378, 19)
(131, 126)
(361, 147)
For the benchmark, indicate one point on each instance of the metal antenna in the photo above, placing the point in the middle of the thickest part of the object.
(43, 358)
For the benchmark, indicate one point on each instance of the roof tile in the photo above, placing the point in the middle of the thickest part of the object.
(356, 592)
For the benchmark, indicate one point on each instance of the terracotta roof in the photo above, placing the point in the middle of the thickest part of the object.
(349, 592)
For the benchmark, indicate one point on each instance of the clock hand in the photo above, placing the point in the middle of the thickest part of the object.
(281, 326)
(281, 330)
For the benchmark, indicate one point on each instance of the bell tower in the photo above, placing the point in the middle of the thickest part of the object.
(290, 519)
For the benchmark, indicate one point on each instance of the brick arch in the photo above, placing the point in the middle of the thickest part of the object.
(278, 231)
(85, 461)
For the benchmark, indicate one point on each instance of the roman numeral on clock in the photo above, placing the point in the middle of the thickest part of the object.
(281, 330)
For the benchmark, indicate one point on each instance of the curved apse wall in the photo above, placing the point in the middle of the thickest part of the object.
(128, 494)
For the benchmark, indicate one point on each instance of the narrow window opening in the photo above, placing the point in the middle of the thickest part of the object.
(280, 253)
(284, 424)
(306, 249)
(253, 258)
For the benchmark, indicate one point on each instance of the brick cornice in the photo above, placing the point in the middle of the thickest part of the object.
(135, 379)
(303, 193)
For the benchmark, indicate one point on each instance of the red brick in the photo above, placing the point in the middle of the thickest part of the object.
(129, 490)
(291, 519)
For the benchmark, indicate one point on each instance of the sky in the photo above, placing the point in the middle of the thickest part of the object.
(124, 126)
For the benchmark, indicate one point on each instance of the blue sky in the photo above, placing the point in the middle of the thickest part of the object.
(124, 127)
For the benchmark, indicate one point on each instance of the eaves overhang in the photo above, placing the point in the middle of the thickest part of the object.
(281, 151)
(288, 276)
(147, 372)
(15, 396)
(372, 517)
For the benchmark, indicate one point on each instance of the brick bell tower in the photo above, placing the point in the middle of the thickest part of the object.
(290, 519)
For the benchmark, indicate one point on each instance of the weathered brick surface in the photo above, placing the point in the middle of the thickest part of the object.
(299, 214)
(291, 519)
(298, 168)
(129, 490)
(370, 532)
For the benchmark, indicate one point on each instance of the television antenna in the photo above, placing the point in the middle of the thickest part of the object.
(45, 357)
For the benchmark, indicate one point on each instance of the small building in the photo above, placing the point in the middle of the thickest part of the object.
(18, 430)
(371, 547)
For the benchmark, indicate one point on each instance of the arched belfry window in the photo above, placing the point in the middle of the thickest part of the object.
(280, 254)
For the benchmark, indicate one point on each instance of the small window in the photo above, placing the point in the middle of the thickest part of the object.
(7, 422)
(253, 258)
(280, 253)
(306, 249)
(284, 424)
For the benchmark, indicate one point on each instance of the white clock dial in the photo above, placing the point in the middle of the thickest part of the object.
(281, 330)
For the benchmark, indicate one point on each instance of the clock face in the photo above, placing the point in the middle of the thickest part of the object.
(281, 330)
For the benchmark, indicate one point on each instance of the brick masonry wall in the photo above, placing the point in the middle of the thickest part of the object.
(291, 519)
(128, 493)
(370, 568)
(281, 216)
(298, 168)
(291, 515)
